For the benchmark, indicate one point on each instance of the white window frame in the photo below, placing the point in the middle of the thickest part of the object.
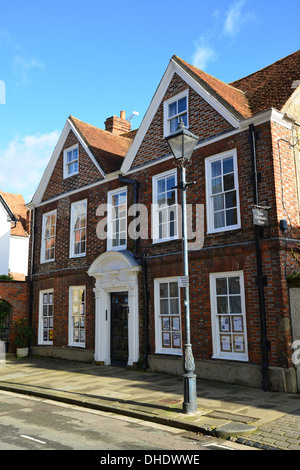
(43, 243)
(156, 209)
(167, 118)
(159, 349)
(209, 195)
(66, 163)
(71, 342)
(41, 340)
(229, 329)
(72, 230)
(111, 218)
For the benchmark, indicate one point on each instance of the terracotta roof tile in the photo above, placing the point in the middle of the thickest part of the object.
(108, 149)
(232, 98)
(268, 88)
(272, 86)
(17, 205)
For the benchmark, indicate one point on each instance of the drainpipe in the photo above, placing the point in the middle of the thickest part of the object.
(261, 280)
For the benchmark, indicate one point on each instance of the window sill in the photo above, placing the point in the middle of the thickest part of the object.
(223, 230)
(231, 358)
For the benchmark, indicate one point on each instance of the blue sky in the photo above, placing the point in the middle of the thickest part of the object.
(93, 59)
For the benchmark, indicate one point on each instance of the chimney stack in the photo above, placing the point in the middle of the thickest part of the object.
(117, 125)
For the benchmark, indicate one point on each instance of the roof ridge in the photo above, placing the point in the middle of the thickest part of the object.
(97, 128)
(236, 100)
(208, 74)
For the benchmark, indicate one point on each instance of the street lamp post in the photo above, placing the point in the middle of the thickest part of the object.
(182, 144)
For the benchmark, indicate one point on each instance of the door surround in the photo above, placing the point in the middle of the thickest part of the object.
(115, 271)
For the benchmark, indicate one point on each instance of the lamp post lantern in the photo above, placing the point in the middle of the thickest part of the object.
(182, 144)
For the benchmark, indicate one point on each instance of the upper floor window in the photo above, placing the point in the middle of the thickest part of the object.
(174, 109)
(117, 219)
(71, 161)
(222, 194)
(48, 237)
(78, 228)
(165, 214)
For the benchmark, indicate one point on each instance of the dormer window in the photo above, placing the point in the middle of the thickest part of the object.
(174, 109)
(71, 161)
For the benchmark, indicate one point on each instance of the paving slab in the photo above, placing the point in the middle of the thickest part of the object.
(242, 414)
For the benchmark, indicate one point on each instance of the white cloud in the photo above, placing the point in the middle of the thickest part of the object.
(203, 54)
(235, 17)
(23, 65)
(23, 162)
(227, 23)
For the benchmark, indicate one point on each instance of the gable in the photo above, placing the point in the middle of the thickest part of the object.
(205, 104)
(203, 120)
(88, 172)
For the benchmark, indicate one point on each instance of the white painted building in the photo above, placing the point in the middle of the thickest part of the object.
(14, 238)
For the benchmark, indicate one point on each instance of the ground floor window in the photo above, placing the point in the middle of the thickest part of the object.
(228, 316)
(77, 316)
(167, 316)
(46, 313)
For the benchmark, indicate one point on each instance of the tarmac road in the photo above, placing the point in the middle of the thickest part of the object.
(28, 423)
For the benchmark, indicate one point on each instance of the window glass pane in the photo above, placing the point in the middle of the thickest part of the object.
(235, 304)
(219, 219)
(184, 118)
(234, 285)
(228, 182)
(173, 124)
(163, 290)
(174, 307)
(161, 199)
(173, 289)
(170, 197)
(231, 217)
(216, 169)
(228, 165)
(221, 285)
(218, 202)
(161, 186)
(222, 305)
(230, 199)
(164, 307)
(216, 185)
(170, 183)
(173, 109)
(182, 105)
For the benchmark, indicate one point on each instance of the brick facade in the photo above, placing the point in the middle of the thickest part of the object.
(227, 251)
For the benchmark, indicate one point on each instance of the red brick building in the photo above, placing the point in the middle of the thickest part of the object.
(105, 277)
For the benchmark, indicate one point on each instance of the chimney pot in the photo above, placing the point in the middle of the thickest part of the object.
(122, 114)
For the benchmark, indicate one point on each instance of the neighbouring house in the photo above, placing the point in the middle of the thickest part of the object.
(14, 250)
(104, 271)
(14, 235)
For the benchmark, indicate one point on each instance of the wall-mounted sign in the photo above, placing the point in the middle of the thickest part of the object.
(183, 281)
(260, 217)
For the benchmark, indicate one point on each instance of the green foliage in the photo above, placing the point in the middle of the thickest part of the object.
(22, 333)
(6, 277)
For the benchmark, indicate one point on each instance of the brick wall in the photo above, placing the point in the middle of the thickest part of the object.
(16, 293)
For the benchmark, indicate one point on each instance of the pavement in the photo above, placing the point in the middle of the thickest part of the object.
(252, 417)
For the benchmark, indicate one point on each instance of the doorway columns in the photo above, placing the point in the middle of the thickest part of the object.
(115, 271)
